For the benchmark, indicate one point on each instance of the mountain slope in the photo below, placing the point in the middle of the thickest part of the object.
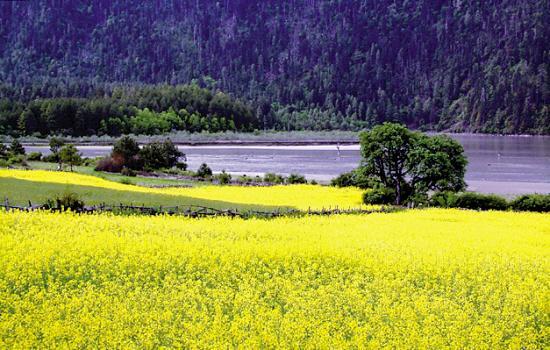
(462, 65)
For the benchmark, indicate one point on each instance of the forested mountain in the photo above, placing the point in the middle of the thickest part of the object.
(461, 65)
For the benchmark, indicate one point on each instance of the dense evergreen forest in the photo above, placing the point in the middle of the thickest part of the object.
(460, 65)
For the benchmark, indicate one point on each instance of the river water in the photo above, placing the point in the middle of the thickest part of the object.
(497, 164)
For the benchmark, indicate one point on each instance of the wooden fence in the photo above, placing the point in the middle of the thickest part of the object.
(198, 211)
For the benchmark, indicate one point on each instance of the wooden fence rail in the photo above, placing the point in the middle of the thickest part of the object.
(198, 211)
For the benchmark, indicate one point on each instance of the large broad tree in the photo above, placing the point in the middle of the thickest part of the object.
(411, 163)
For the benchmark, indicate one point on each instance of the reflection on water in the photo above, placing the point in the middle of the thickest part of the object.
(521, 162)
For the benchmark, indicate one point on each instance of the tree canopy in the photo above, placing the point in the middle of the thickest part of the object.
(411, 163)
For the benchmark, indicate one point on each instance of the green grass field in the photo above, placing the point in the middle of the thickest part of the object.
(20, 192)
(138, 180)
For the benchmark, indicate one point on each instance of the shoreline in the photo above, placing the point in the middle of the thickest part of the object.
(275, 138)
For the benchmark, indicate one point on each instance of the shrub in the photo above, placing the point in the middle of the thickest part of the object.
(3, 163)
(89, 162)
(204, 171)
(181, 166)
(478, 201)
(274, 178)
(17, 159)
(381, 195)
(66, 201)
(343, 180)
(532, 202)
(110, 164)
(50, 158)
(296, 179)
(158, 155)
(224, 178)
(244, 179)
(444, 199)
(128, 172)
(16, 148)
(313, 182)
(34, 156)
(125, 151)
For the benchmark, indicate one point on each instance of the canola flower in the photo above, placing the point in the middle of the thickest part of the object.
(297, 196)
(430, 279)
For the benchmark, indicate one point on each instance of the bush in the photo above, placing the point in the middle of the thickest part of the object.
(273, 178)
(355, 178)
(204, 171)
(381, 195)
(127, 172)
(443, 199)
(126, 181)
(89, 162)
(50, 158)
(181, 166)
(110, 164)
(532, 202)
(158, 155)
(244, 180)
(478, 201)
(224, 178)
(67, 201)
(17, 159)
(296, 179)
(34, 156)
(343, 180)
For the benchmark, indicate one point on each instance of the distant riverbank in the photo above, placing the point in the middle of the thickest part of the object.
(265, 138)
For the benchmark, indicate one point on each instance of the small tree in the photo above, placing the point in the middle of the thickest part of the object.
(204, 171)
(126, 150)
(55, 146)
(16, 148)
(159, 155)
(411, 163)
(70, 155)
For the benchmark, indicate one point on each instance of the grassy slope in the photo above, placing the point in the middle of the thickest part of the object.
(138, 180)
(19, 192)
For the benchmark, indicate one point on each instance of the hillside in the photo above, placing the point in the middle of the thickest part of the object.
(461, 65)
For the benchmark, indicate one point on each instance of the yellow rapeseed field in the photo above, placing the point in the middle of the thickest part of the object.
(297, 196)
(430, 279)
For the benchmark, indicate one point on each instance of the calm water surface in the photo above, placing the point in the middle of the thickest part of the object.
(499, 164)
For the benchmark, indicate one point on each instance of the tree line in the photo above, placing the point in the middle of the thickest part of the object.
(139, 110)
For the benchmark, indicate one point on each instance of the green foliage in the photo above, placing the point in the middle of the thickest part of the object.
(125, 152)
(128, 172)
(380, 195)
(34, 156)
(274, 178)
(478, 201)
(296, 179)
(4, 151)
(223, 178)
(445, 199)
(204, 171)
(149, 110)
(343, 180)
(411, 163)
(16, 148)
(158, 155)
(70, 155)
(66, 201)
(532, 202)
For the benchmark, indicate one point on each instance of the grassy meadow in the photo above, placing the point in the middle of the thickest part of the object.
(38, 185)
